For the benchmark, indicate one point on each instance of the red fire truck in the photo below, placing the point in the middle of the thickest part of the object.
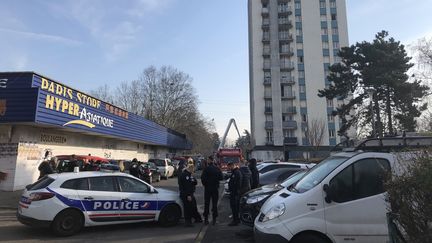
(227, 155)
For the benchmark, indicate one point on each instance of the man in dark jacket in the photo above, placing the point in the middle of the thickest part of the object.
(210, 178)
(44, 169)
(246, 177)
(187, 185)
(255, 173)
(133, 169)
(234, 187)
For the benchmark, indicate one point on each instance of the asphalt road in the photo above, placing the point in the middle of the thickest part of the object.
(13, 231)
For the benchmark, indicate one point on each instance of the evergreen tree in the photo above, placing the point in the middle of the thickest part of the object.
(380, 65)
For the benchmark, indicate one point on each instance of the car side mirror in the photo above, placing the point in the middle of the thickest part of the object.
(329, 193)
(153, 190)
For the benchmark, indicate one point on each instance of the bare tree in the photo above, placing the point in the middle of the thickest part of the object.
(314, 133)
(103, 93)
(128, 96)
(167, 97)
(423, 69)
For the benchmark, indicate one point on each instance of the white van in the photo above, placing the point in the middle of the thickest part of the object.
(341, 199)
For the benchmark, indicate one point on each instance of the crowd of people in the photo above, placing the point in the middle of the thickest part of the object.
(243, 178)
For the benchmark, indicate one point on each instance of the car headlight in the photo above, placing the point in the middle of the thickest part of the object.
(256, 199)
(274, 212)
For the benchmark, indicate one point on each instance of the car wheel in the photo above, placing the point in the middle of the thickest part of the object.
(309, 238)
(170, 215)
(67, 223)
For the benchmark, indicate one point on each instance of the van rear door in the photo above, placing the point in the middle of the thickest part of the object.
(357, 211)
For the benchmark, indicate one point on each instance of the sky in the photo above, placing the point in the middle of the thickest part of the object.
(88, 43)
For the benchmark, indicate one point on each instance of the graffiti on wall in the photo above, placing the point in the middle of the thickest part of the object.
(29, 150)
(8, 149)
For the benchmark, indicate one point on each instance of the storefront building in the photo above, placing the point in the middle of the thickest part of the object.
(39, 116)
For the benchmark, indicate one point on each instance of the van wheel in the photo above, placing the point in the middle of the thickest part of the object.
(309, 238)
(67, 223)
(170, 215)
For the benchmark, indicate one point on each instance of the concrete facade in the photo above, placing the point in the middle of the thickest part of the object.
(291, 45)
(23, 147)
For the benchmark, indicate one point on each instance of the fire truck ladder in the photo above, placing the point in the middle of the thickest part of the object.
(222, 144)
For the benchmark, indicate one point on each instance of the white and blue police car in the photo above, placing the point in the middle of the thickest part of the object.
(69, 201)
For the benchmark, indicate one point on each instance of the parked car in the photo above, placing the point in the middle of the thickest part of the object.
(277, 175)
(272, 165)
(251, 202)
(151, 173)
(164, 167)
(341, 199)
(82, 161)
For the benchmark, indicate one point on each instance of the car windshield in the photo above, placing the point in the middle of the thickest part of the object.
(159, 162)
(318, 173)
(293, 178)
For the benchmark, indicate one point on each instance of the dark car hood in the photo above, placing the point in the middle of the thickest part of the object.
(267, 189)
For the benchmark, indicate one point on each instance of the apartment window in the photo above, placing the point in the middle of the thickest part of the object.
(330, 118)
(297, 5)
(326, 73)
(337, 59)
(288, 133)
(334, 31)
(326, 58)
(287, 118)
(322, 4)
(331, 133)
(269, 118)
(332, 4)
(301, 74)
(325, 45)
(284, 75)
(283, 7)
(266, 35)
(298, 19)
(333, 17)
(284, 48)
(266, 21)
(268, 103)
(267, 62)
(304, 117)
(283, 34)
(329, 103)
(324, 31)
(269, 137)
(283, 20)
(300, 59)
(299, 32)
(302, 88)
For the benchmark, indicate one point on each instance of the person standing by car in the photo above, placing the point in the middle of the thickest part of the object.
(44, 169)
(187, 185)
(234, 187)
(255, 174)
(210, 178)
(133, 169)
(246, 177)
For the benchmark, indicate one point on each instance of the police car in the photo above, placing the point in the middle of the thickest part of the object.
(69, 201)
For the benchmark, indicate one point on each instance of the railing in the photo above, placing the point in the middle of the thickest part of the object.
(290, 110)
(290, 141)
(289, 124)
(269, 124)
